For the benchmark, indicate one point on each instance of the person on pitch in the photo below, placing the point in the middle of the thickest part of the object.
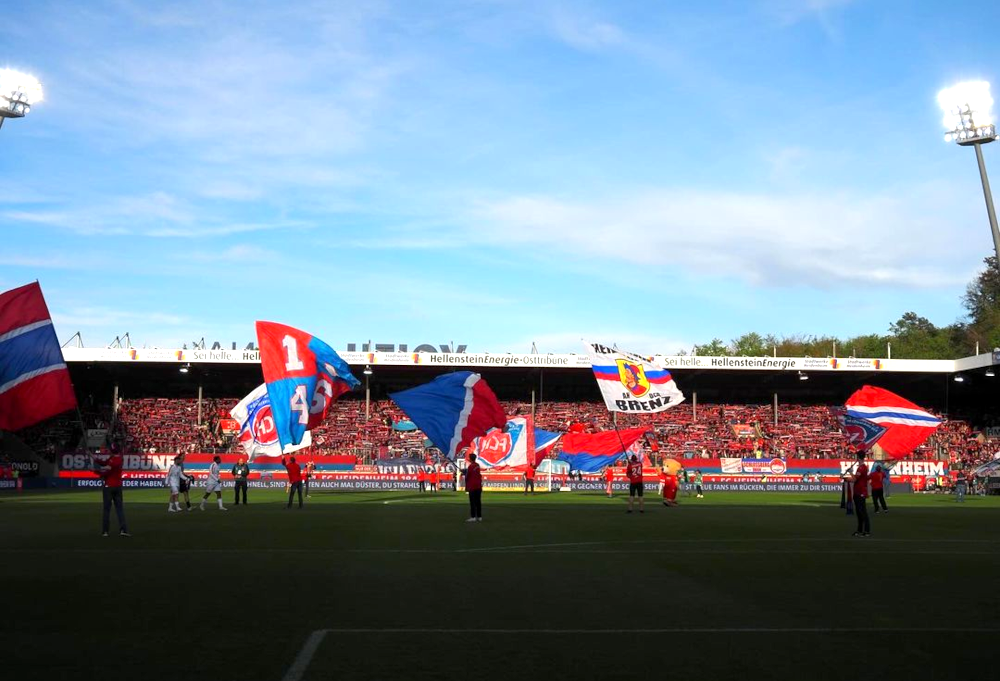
(294, 479)
(669, 488)
(529, 479)
(241, 471)
(432, 479)
(699, 494)
(422, 479)
(213, 484)
(184, 486)
(307, 474)
(634, 473)
(609, 476)
(474, 486)
(859, 483)
(110, 471)
(175, 476)
(878, 494)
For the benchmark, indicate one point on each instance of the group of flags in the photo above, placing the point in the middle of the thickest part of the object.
(457, 411)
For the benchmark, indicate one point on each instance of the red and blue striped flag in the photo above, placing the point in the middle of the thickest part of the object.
(34, 380)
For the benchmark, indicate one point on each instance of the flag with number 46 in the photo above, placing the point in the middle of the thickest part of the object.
(303, 376)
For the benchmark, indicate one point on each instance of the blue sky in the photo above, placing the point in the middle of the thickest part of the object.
(493, 173)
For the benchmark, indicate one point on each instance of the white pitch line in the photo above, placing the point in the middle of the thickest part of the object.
(533, 546)
(305, 656)
(669, 630)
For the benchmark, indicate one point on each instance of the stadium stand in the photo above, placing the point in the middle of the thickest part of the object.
(738, 430)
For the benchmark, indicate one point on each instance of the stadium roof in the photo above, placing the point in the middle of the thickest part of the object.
(535, 360)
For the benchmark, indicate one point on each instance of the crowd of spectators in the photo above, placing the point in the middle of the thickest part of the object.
(710, 431)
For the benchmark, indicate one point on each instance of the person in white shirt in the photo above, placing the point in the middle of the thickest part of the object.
(213, 484)
(175, 476)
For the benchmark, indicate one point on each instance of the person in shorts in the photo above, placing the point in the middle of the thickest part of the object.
(175, 476)
(698, 493)
(213, 484)
(634, 473)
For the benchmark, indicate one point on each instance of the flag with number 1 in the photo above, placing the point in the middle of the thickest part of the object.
(303, 376)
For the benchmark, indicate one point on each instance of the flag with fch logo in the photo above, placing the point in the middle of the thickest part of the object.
(632, 383)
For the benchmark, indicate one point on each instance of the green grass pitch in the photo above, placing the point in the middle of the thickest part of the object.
(397, 586)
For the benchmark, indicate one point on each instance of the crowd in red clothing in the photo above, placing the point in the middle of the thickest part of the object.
(713, 430)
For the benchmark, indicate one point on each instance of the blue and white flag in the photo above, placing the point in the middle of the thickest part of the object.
(258, 433)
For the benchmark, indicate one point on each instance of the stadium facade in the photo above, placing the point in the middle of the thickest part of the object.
(948, 386)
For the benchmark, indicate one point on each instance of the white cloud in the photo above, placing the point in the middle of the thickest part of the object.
(903, 239)
(78, 261)
(626, 339)
(157, 214)
(585, 33)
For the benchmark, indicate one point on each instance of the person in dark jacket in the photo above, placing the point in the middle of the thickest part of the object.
(241, 471)
(474, 486)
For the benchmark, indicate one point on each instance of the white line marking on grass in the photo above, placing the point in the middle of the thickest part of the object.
(671, 630)
(533, 546)
(305, 656)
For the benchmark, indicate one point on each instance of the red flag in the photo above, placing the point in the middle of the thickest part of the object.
(907, 425)
(34, 380)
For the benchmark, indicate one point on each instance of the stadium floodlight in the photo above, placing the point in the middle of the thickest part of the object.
(185, 368)
(990, 373)
(18, 93)
(803, 377)
(368, 370)
(968, 120)
(959, 378)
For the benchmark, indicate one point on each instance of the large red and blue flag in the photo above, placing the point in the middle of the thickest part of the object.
(452, 410)
(906, 425)
(590, 452)
(303, 376)
(34, 380)
(861, 433)
(545, 442)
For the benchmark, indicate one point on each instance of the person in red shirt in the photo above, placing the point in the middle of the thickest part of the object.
(634, 473)
(609, 476)
(859, 482)
(529, 479)
(294, 479)
(878, 494)
(422, 479)
(432, 479)
(474, 486)
(109, 468)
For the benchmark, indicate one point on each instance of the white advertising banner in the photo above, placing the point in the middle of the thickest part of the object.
(523, 361)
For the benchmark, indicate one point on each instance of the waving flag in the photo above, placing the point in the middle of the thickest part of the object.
(589, 453)
(511, 447)
(258, 434)
(631, 383)
(452, 410)
(907, 425)
(303, 376)
(34, 380)
(861, 433)
(544, 442)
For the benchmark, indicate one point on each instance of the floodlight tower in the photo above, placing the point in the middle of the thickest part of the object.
(18, 92)
(968, 118)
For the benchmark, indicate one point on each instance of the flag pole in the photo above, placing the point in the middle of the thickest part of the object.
(614, 422)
